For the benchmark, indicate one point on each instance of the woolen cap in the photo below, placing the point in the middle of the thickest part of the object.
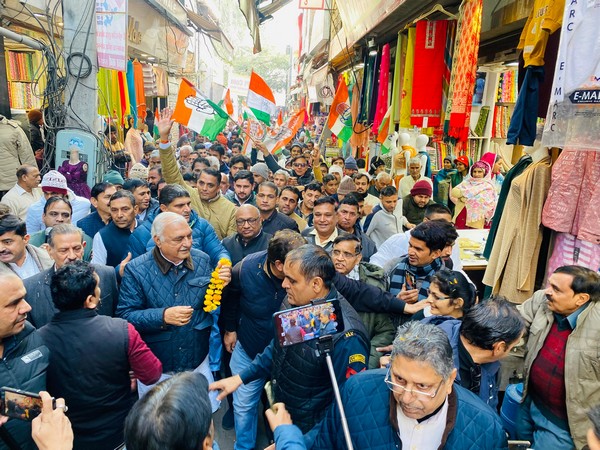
(351, 163)
(346, 186)
(334, 168)
(261, 169)
(464, 160)
(34, 115)
(54, 181)
(422, 187)
(113, 177)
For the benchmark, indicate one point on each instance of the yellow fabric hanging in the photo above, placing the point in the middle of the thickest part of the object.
(407, 82)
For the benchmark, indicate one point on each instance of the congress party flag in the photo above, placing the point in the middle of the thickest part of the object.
(261, 100)
(228, 103)
(384, 136)
(276, 138)
(340, 119)
(197, 112)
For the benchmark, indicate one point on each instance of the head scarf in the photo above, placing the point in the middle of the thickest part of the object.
(480, 195)
(490, 158)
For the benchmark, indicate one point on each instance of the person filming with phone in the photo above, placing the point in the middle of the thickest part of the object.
(24, 355)
(299, 373)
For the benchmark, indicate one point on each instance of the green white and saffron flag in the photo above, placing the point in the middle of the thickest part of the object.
(340, 118)
(198, 113)
(261, 100)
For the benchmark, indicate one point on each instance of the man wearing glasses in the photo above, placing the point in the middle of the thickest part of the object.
(301, 173)
(347, 259)
(413, 404)
(250, 236)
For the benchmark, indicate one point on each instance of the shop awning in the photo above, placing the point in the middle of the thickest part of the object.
(207, 26)
(256, 14)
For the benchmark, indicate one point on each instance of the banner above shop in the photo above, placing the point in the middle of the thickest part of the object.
(111, 34)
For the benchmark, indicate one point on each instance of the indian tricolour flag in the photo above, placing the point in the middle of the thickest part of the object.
(384, 136)
(198, 113)
(340, 119)
(261, 100)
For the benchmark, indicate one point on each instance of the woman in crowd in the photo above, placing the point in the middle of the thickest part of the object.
(451, 294)
(442, 182)
(462, 170)
(475, 198)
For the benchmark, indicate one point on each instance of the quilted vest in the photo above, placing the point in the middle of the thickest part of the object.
(300, 375)
(89, 368)
(116, 241)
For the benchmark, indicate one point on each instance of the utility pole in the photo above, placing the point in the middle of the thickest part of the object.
(81, 96)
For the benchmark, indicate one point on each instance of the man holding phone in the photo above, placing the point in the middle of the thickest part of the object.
(25, 357)
(299, 374)
(409, 279)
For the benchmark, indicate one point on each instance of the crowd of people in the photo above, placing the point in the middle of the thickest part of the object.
(148, 306)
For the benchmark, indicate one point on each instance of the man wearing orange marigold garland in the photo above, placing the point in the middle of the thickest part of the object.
(163, 297)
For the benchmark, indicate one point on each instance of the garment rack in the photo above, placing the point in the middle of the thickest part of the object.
(436, 8)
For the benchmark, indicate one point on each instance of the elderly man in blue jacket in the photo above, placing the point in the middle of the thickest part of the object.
(413, 404)
(162, 295)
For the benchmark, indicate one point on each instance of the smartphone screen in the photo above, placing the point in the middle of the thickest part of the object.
(297, 325)
(20, 404)
(410, 281)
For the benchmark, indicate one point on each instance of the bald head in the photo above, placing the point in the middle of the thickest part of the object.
(248, 222)
(13, 306)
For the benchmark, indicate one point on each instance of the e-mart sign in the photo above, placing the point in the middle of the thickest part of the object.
(311, 4)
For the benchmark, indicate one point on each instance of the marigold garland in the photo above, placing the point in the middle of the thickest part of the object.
(212, 298)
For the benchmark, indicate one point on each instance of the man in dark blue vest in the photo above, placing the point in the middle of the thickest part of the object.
(111, 242)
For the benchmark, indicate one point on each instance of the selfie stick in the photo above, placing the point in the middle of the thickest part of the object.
(325, 345)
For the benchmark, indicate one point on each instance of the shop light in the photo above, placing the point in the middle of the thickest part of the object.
(144, 55)
(512, 64)
(151, 58)
(360, 66)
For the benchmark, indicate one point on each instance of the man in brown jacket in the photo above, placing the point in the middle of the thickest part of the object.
(206, 199)
(562, 372)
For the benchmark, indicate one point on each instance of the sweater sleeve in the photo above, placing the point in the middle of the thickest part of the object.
(146, 367)
(289, 437)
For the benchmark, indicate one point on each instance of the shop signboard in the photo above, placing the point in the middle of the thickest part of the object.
(111, 34)
(311, 4)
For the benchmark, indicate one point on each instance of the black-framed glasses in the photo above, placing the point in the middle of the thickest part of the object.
(251, 221)
(399, 389)
(299, 165)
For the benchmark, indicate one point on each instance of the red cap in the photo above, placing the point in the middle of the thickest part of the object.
(464, 160)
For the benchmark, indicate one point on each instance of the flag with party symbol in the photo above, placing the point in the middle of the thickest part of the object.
(197, 112)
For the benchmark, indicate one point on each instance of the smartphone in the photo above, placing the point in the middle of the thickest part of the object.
(305, 323)
(410, 281)
(20, 404)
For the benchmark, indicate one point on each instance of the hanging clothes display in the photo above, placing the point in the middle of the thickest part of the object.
(132, 93)
(574, 109)
(446, 74)
(382, 94)
(513, 262)
(397, 83)
(360, 133)
(464, 68)
(568, 251)
(368, 86)
(407, 79)
(428, 73)
(574, 196)
(140, 95)
(150, 87)
(162, 82)
(510, 176)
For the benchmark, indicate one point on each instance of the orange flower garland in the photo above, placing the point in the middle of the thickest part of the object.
(212, 299)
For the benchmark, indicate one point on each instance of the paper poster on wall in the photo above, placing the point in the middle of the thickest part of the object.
(111, 34)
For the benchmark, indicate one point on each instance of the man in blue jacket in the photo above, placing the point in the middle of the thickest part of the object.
(162, 295)
(486, 334)
(414, 404)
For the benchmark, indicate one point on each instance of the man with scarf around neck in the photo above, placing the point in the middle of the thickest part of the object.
(299, 374)
(409, 279)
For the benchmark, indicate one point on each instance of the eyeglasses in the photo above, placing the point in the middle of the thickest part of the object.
(435, 297)
(251, 221)
(298, 165)
(345, 255)
(399, 389)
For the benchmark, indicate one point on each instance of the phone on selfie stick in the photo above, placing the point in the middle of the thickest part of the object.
(315, 315)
